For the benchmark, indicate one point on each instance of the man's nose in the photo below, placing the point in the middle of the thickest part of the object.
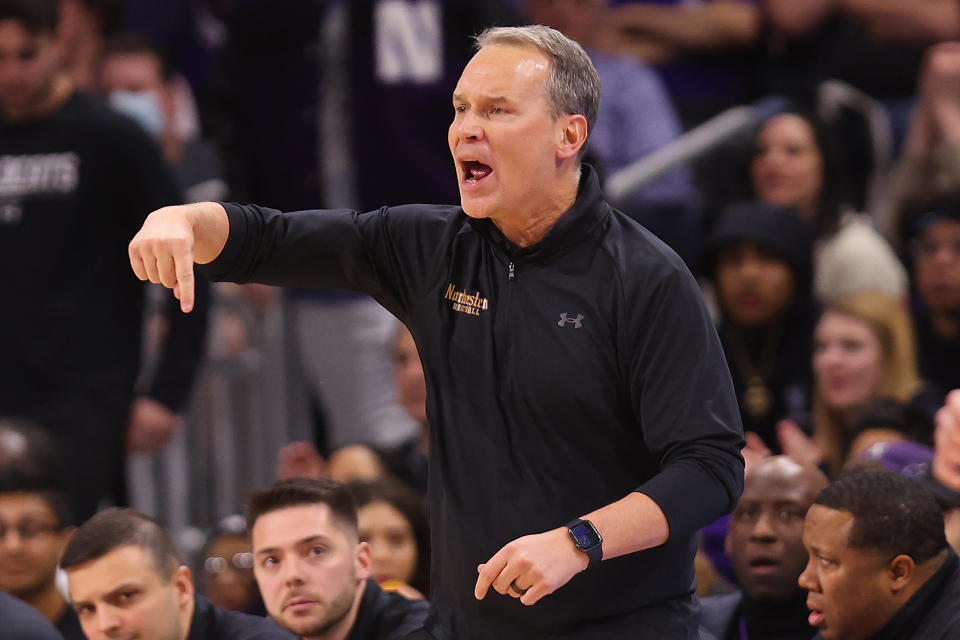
(107, 620)
(807, 579)
(469, 126)
(763, 528)
(293, 572)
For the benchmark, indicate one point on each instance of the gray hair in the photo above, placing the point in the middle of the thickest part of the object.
(573, 86)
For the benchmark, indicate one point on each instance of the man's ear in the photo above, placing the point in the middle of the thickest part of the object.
(183, 583)
(364, 561)
(573, 135)
(900, 572)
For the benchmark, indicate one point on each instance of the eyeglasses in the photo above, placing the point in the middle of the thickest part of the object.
(27, 530)
(240, 561)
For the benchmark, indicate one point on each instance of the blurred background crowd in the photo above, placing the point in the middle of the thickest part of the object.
(802, 157)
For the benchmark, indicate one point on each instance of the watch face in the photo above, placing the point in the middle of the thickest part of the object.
(585, 535)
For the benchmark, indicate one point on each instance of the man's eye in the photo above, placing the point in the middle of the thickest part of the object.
(496, 110)
(269, 561)
(317, 551)
(460, 108)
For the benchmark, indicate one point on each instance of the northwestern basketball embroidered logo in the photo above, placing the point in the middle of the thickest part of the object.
(464, 302)
(576, 322)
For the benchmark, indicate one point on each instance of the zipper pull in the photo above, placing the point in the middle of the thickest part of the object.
(511, 271)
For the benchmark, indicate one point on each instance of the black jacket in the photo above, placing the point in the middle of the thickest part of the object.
(560, 378)
(724, 617)
(933, 613)
(387, 616)
(211, 623)
(20, 621)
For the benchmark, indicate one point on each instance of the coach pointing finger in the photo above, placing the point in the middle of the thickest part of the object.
(172, 239)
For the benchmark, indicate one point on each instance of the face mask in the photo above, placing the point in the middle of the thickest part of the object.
(142, 106)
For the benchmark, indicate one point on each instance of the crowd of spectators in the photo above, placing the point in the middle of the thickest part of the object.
(838, 308)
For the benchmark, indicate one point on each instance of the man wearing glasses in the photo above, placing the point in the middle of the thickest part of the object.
(35, 525)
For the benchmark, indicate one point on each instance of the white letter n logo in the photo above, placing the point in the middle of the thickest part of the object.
(408, 37)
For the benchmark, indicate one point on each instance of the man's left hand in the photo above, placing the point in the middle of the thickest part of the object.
(151, 426)
(535, 566)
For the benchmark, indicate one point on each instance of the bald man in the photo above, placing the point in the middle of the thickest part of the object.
(765, 545)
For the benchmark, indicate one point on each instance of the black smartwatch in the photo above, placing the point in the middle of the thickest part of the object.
(587, 539)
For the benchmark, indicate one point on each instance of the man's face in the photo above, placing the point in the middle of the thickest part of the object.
(309, 568)
(847, 597)
(937, 262)
(31, 540)
(123, 595)
(754, 284)
(29, 63)
(765, 538)
(503, 138)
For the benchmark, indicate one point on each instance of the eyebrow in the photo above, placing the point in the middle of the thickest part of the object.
(123, 587)
(300, 542)
(459, 98)
(79, 604)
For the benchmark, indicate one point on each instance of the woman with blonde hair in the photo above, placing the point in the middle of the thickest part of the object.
(863, 350)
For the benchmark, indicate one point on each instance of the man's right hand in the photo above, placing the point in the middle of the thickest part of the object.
(172, 239)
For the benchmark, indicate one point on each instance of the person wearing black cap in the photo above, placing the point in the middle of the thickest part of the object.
(759, 258)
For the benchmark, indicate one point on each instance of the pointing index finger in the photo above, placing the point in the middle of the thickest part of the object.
(183, 262)
(489, 573)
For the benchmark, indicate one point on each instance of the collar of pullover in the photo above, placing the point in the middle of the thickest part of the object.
(573, 227)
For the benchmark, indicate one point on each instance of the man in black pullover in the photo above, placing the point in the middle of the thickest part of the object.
(76, 179)
(580, 406)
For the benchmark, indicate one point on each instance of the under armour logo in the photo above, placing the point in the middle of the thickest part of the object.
(576, 322)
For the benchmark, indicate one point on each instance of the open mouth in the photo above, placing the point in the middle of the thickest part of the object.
(815, 619)
(475, 171)
(762, 565)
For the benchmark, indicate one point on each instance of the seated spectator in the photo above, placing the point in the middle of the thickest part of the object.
(794, 164)
(636, 118)
(932, 237)
(314, 572)
(758, 257)
(863, 350)
(35, 525)
(140, 82)
(23, 622)
(879, 565)
(228, 568)
(705, 56)
(764, 542)
(392, 519)
(127, 580)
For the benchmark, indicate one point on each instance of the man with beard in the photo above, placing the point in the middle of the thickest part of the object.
(313, 571)
(765, 545)
(127, 580)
